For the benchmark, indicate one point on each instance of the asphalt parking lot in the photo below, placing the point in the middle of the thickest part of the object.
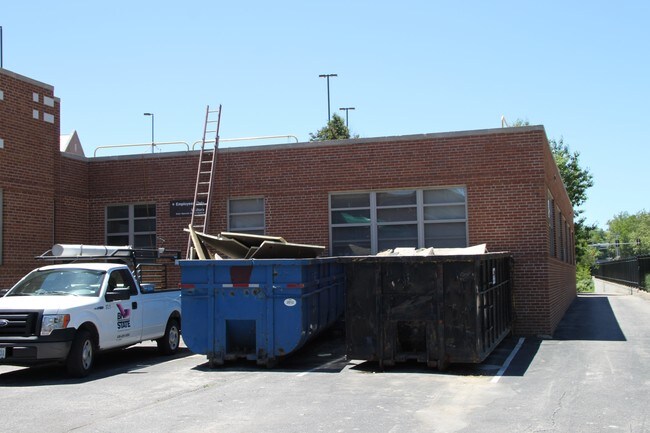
(591, 376)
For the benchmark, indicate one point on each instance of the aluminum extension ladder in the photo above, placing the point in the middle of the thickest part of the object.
(205, 176)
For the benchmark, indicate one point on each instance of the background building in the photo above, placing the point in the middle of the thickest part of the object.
(500, 187)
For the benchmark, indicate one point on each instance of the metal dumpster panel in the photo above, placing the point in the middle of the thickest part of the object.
(259, 310)
(428, 308)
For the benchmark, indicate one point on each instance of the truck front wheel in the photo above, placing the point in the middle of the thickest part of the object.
(81, 356)
(168, 343)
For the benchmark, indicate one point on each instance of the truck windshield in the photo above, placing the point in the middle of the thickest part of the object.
(60, 282)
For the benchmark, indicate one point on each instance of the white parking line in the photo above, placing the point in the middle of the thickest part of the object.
(508, 360)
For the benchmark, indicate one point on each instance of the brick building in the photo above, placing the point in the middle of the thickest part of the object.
(500, 187)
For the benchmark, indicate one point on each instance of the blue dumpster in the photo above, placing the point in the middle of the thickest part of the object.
(258, 310)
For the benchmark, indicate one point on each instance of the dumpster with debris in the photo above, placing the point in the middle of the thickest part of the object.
(437, 309)
(258, 310)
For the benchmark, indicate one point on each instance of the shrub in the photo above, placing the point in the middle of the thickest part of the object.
(584, 283)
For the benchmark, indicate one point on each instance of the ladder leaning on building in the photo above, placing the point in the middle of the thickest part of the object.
(204, 177)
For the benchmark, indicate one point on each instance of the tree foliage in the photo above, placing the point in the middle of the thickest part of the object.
(520, 122)
(334, 130)
(577, 180)
(627, 229)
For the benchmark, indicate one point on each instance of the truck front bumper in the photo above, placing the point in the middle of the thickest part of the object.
(36, 350)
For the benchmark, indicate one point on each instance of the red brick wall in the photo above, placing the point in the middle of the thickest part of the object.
(505, 172)
(72, 204)
(28, 173)
(561, 273)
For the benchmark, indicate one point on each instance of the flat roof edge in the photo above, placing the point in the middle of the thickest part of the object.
(26, 79)
(313, 144)
(390, 139)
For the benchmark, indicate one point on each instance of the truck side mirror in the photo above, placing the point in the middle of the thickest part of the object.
(121, 294)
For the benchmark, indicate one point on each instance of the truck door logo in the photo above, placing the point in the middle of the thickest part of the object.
(123, 317)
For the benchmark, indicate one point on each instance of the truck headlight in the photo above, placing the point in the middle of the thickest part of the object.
(54, 321)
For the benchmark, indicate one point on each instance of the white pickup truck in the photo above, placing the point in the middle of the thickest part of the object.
(69, 312)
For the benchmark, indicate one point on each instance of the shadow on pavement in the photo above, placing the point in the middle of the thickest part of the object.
(126, 361)
(590, 317)
(323, 354)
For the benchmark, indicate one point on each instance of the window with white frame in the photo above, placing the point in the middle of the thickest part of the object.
(368, 222)
(131, 224)
(246, 215)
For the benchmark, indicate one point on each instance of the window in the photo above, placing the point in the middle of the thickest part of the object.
(122, 279)
(551, 225)
(368, 222)
(246, 215)
(560, 233)
(350, 223)
(397, 219)
(131, 224)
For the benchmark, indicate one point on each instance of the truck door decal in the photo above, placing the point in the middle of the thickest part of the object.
(123, 319)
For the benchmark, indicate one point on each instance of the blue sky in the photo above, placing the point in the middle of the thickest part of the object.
(579, 68)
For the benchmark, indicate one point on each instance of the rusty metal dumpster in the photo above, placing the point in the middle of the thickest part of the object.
(259, 310)
(433, 309)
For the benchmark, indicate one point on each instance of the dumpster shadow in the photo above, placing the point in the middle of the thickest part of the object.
(591, 318)
(324, 353)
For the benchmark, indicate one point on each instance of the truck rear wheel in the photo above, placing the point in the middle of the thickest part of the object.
(82, 354)
(168, 344)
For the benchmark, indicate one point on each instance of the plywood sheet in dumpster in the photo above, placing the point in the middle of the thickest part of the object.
(251, 240)
(223, 246)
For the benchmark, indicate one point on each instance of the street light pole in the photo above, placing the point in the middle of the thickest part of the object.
(153, 143)
(329, 113)
(346, 109)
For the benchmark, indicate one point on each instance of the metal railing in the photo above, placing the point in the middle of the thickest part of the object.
(150, 145)
(156, 145)
(261, 137)
(631, 271)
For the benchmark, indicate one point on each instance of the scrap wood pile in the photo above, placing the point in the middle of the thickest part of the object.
(229, 245)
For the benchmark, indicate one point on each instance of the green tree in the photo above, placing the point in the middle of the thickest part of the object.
(577, 180)
(334, 130)
(627, 229)
(520, 122)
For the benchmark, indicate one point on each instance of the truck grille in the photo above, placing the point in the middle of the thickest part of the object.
(18, 324)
